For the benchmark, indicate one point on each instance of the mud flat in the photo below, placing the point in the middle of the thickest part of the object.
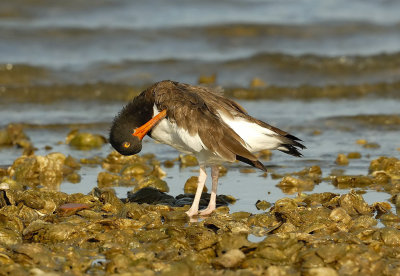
(47, 232)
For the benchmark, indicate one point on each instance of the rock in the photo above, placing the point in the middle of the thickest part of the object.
(9, 237)
(281, 271)
(389, 165)
(342, 160)
(371, 146)
(354, 155)
(319, 198)
(361, 142)
(135, 170)
(46, 170)
(290, 184)
(247, 170)
(351, 181)
(210, 79)
(390, 236)
(188, 160)
(151, 196)
(169, 163)
(191, 185)
(84, 141)
(354, 204)
(158, 172)
(74, 178)
(153, 182)
(321, 271)
(175, 216)
(257, 82)
(340, 215)
(263, 205)
(13, 135)
(230, 259)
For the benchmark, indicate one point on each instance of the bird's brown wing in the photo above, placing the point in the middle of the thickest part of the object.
(194, 109)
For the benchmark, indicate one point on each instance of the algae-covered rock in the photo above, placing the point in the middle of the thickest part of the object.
(257, 82)
(191, 185)
(331, 252)
(342, 160)
(354, 155)
(311, 173)
(319, 198)
(354, 204)
(390, 165)
(351, 181)
(321, 271)
(44, 202)
(290, 184)
(14, 135)
(207, 79)
(135, 170)
(231, 241)
(371, 146)
(115, 162)
(188, 160)
(106, 179)
(363, 222)
(33, 254)
(47, 170)
(153, 182)
(84, 140)
(390, 236)
(286, 209)
(247, 170)
(74, 178)
(169, 163)
(340, 215)
(263, 205)
(282, 271)
(178, 215)
(230, 259)
(38, 167)
(200, 237)
(9, 237)
(158, 172)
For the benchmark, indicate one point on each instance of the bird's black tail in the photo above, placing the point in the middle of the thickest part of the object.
(291, 145)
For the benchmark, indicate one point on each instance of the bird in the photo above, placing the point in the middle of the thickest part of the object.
(197, 120)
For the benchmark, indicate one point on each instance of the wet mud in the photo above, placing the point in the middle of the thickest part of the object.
(148, 232)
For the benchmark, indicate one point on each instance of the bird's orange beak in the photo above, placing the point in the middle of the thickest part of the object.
(141, 131)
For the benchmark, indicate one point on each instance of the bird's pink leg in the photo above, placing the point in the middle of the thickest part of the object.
(194, 209)
(213, 198)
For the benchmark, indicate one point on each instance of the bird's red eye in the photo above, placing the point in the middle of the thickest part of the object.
(126, 145)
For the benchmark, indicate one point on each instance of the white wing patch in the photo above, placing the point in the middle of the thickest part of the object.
(256, 137)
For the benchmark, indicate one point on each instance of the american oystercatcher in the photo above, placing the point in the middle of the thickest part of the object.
(197, 120)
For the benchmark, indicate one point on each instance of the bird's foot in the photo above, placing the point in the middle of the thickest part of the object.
(191, 212)
(207, 211)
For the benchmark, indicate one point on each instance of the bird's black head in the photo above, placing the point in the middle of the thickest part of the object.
(132, 116)
(123, 141)
(123, 126)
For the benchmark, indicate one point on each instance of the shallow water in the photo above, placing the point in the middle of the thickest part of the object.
(284, 43)
(301, 118)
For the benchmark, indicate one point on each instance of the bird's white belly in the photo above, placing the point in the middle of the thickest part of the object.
(169, 133)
